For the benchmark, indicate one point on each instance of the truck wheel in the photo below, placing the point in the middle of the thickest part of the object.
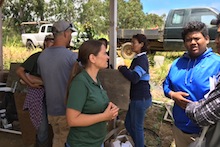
(126, 51)
(30, 45)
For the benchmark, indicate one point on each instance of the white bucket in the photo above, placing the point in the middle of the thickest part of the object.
(158, 60)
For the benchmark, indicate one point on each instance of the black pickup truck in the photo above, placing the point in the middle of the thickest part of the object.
(169, 38)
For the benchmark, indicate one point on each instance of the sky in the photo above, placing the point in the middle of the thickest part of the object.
(163, 6)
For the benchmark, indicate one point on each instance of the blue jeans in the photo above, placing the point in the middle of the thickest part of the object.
(42, 132)
(134, 121)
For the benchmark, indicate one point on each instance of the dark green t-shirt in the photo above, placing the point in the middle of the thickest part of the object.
(30, 65)
(87, 97)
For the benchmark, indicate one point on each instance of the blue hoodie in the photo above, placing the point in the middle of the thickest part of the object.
(191, 76)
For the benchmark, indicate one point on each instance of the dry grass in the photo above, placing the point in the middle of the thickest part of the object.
(15, 54)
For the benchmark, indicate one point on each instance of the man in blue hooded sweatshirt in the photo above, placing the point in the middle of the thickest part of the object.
(188, 79)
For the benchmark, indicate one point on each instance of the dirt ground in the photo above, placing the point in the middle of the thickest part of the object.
(154, 122)
(10, 140)
(155, 117)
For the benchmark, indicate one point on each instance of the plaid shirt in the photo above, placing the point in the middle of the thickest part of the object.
(34, 103)
(206, 111)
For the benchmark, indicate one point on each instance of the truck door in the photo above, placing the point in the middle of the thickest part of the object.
(173, 27)
(40, 35)
(44, 30)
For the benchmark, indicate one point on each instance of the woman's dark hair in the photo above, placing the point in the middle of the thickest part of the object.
(194, 26)
(85, 50)
(141, 38)
(104, 41)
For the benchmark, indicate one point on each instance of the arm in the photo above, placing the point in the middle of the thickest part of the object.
(131, 75)
(34, 79)
(27, 80)
(76, 118)
(205, 111)
(177, 96)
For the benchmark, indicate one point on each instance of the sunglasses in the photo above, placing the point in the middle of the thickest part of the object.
(70, 26)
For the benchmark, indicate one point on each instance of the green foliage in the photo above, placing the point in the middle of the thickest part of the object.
(130, 14)
(59, 9)
(95, 13)
(11, 38)
(84, 32)
(15, 12)
(153, 21)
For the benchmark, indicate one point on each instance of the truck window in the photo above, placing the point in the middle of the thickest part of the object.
(49, 29)
(42, 29)
(203, 15)
(178, 17)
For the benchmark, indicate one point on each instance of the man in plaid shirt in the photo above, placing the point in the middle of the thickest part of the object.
(206, 112)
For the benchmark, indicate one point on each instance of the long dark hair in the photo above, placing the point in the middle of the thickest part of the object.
(85, 50)
(141, 38)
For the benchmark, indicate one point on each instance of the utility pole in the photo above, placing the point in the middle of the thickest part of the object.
(1, 54)
(113, 33)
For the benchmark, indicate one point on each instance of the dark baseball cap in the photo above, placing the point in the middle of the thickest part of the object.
(216, 21)
(61, 26)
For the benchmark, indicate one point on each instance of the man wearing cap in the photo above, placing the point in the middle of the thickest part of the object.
(55, 65)
(206, 112)
(34, 101)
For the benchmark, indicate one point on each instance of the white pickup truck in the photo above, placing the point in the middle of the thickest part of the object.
(33, 40)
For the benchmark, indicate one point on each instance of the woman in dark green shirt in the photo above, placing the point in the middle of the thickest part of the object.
(88, 106)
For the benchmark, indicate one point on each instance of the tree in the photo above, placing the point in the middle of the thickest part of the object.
(17, 11)
(95, 14)
(154, 20)
(130, 14)
(62, 9)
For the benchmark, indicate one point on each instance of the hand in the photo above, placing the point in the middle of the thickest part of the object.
(179, 98)
(111, 112)
(120, 66)
(22, 82)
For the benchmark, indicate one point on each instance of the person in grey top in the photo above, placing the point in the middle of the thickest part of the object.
(55, 64)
